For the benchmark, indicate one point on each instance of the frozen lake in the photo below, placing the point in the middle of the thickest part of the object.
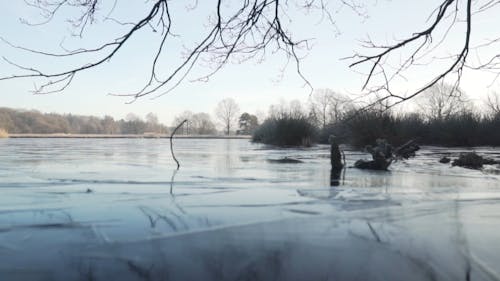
(115, 209)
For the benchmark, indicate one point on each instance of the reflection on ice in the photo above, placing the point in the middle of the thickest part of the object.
(230, 214)
(380, 244)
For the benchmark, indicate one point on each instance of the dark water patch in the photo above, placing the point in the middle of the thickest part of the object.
(285, 160)
(43, 226)
(304, 212)
(56, 225)
(79, 191)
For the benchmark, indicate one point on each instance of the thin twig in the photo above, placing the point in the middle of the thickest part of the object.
(172, 143)
(172, 179)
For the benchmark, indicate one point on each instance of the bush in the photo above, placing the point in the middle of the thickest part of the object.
(286, 131)
(462, 129)
(3, 133)
(363, 128)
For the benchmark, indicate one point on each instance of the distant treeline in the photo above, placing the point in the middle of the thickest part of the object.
(361, 128)
(466, 128)
(442, 117)
(35, 122)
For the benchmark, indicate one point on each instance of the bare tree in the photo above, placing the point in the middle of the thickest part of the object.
(186, 127)
(132, 117)
(152, 122)
(202, 124)
(227, 112)
(493, 103)
(319, 102)
(194, 123)
(133, 124)
(281, 109)
(442, 101)
(328, 106)
(295, 109)
(284, 109)
(109, 125)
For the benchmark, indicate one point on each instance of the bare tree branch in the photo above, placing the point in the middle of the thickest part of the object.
(242, 34)
(420, 45)
(238, 31)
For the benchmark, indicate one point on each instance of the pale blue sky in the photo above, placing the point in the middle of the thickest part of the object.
(253, 85)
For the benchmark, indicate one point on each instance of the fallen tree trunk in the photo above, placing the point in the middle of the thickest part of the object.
(383, 155)
(407, 150)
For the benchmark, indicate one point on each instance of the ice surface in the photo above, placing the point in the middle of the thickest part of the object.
(108, 209)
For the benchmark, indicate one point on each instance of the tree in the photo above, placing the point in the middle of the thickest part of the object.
(23, 121)
(133, 125)
(196, 124)
(152, 122)
(6, 119)
(93, 125)
(247, 123)
(131, 117)
(493, 103)
(287, 124)
(241, 30)
(442, 101)
(186, 128)
(328, 106)
(227, 113)
(109, 125)
(202, 124)
(284, 109)
(152, 118)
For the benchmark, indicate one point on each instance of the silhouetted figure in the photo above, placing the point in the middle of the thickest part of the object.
(336, 161)
(335, 177)
(335, 156)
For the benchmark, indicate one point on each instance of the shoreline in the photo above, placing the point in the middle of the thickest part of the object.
(106, 136)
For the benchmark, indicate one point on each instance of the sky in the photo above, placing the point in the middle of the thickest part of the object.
(254, 85)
